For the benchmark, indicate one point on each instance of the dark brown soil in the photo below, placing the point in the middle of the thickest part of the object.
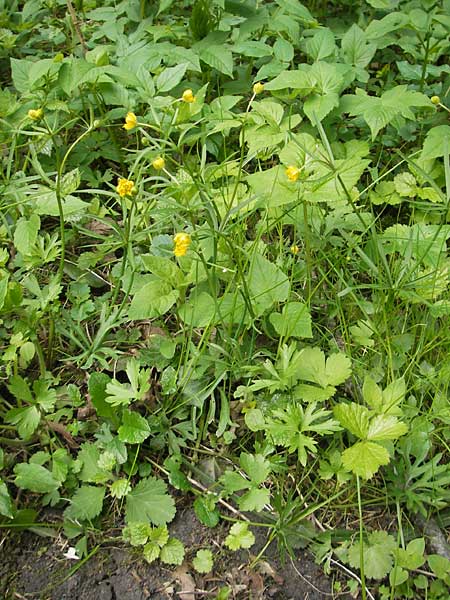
(34, 568)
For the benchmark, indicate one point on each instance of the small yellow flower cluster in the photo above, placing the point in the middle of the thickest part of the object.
(292, 173)
(158, 163)
(35, 113)
(130, 121)
(182, 242)
(188, 96)
(258, 88)
(125, 187)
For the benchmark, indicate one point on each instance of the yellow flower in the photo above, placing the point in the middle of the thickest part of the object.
(258, 88)
(182, 242)
(130, 121)
(125, 187)
(435, 99)
(188, 96)
(158, 163)
(292, 173)
(295, 249)
(35, 114)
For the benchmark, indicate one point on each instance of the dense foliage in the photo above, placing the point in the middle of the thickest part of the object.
(224, 267)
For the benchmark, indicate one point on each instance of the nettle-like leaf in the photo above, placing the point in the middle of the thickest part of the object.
(172, 553)
(203, 561)
(379, 111)
(378, 550)
(86, 503)
(149, 501)
(35, 478)
(239, 537)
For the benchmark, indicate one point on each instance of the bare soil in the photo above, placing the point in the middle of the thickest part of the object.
(34, 568)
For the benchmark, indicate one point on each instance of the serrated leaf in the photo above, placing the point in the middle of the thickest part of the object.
(338, 369)
(353, 417)
(385, 427)
(26, 232)
(232, 482)
(254, 419)
(405, 184)
(120, 488)
(437, 142)
(173, 552)
(239, 537)
(6, 505)
(134, 429)
(151, 552)
(203, 561)
(217, 57)
(357, 51)
(321, 45)
(393, 395)
(365, 458)
(206, 511)
(86, 503)
(136, 534)
(35, 478)
(254, 499)
(149, 500)
(170, 77)
(25, 419)
(256, 467)
(377, 555)
(317, 106)
(372, 394)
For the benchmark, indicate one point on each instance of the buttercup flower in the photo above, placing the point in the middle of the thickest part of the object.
(182, 242)
(292, 173)
(188, 96)
(130, 121)
(258, 88)
(35, 114)
(295, 249)
(158, 163)
(125, 187)
(435, 99)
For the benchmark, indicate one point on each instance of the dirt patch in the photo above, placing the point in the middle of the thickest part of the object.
(35, 568)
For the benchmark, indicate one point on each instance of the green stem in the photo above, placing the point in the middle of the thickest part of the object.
(361, 540)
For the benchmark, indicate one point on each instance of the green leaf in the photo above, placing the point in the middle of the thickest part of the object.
(254, 419)
(412, 557)
(255, 499)
(206, 511)
(294, 321)
(217, 57)
(321, 45)
(86, 503)
(152, 300)
(26, 232)
(406, 185)
(377, 554)
(136, 534)
(300, 80)
(385, 427)
(199, 310)
(440, 565)
(203, 561)
(151, 552)
(88, 457)
(365, 458)
(317, 107)
(149, 500)
(35, 478)
(437, 142)
(338, 369)
(256, 467)
(394, 395)
(6, 505)
(25, 419)
(120, 488)
(357, 51)
(353, 417)
(372, 394)
(239, 537)
(173, 552)
(97, 391)
(170, 77)
(134, 429)
(267, 284)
